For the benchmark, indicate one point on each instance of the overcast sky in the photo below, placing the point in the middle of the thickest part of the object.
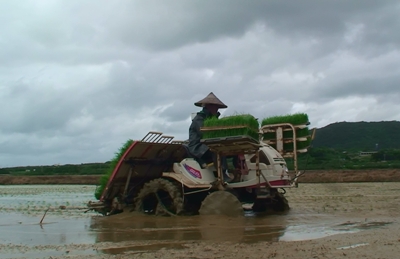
(78, 78)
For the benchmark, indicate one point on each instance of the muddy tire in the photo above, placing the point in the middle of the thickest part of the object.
(159, 197)
(279, 204)
(221, 203)
(260, 205)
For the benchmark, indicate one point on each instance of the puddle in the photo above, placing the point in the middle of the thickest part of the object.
(352, 246)
(141, 248)
(362, 225)
(309, 232)
(315, 231)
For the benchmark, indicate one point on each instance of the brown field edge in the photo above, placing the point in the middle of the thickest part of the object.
(50, 179)
(314, 176)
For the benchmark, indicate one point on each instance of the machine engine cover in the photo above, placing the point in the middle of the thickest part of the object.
(192, 170)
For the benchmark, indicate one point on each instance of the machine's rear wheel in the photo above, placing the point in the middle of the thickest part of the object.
(159, 197)
(221, 203)
(278, 203)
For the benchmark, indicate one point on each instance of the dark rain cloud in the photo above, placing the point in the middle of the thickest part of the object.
(78, 78)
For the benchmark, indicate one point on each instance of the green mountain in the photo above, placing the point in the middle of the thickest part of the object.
(364, 136)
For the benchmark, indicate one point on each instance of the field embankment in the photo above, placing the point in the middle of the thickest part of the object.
(348, 176)
(315, 176)
(50, 179)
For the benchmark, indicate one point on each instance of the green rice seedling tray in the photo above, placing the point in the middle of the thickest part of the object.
(295, 119)
(299, 121)
(232, 144)
(236, 125)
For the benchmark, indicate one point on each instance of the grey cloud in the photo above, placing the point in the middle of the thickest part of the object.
(179, 111)
(38, 110)
(78, 78)
(182, 22)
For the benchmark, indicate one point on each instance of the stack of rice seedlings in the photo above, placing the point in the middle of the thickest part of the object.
(231, 126)
(298, 119)
(104, 179)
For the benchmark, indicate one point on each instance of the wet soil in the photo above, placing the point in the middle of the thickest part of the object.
(310, 176)
(340, 220)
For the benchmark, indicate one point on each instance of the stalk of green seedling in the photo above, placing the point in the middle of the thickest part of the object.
(104, 179)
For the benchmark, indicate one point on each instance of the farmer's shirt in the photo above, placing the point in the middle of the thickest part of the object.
(196, 148)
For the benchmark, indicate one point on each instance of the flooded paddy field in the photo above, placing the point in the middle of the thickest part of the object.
(349, 220)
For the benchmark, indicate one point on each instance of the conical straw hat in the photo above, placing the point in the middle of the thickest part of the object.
(211, 99)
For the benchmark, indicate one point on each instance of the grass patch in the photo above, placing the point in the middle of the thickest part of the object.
(235, 125)
(113, 163)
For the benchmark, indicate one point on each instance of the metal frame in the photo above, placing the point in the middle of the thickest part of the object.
(158, 137)
(280, 141)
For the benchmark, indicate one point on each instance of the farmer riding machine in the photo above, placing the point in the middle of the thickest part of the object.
(157, 175)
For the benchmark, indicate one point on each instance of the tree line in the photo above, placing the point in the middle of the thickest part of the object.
(69, 169)
(330, 158)
(315, 159)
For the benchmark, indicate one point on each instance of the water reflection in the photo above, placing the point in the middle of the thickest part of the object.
(133, 227)
(20, 229)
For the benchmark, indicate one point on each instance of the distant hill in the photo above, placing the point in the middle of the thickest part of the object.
(364, 136)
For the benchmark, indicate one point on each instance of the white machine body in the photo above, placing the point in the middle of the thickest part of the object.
(272, 168)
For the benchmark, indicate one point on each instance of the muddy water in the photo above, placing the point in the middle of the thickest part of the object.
(247, 229)
(71, 231)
